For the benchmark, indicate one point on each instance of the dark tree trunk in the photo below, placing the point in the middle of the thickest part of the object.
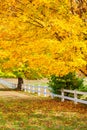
(20, 82)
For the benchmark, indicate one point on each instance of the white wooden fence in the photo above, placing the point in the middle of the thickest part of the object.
(75, 97)
(40, 90)
(44, 91)
(8, 84)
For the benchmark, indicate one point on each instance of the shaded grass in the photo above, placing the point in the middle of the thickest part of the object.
(42, 114)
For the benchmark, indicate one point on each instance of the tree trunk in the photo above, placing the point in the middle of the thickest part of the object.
(20, 82)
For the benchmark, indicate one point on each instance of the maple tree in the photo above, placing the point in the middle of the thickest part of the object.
(42, 35)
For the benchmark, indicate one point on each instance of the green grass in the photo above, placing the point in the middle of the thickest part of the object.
(43, 82)
(41, 114)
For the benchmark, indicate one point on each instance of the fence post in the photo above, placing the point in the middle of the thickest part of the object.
(25, 89)
(45, 91)
(62, 93)
(16, 85)
(52, 95)
(33, 89)
(39, 90)
(75, 97)
(29, 88)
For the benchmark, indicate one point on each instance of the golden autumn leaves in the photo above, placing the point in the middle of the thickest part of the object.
(41, 37)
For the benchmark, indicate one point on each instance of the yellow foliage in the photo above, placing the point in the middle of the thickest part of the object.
(41, 35)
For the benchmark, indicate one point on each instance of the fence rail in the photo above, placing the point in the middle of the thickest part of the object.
(8, 84)
(44, 91)
(40, 90)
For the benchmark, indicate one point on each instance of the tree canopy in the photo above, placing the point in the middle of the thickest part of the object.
(45, 36)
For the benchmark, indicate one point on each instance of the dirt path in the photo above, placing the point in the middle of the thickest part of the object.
(7, 93)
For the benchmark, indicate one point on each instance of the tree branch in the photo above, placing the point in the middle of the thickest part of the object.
(83, 72)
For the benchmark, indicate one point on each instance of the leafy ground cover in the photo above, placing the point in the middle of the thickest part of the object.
(24, 111)
(41, 114)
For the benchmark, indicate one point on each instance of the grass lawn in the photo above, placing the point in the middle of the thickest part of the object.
(41, 114)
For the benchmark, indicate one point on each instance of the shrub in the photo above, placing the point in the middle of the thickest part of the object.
(69, 81)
